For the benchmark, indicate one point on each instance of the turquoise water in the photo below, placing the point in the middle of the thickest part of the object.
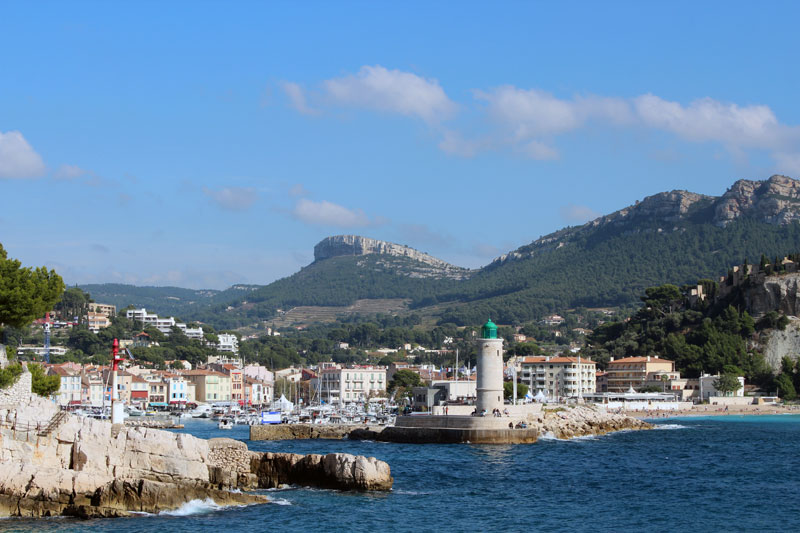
(700, 474)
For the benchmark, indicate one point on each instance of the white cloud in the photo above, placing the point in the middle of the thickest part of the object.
(577, 213)
(539, 151)
(17, 158)
(69, 172)
(529, 112)
(453, 143)
(297, 97)
(707, 119)
(328, 214)
(395, 91)
(529, 120)
(233, 198)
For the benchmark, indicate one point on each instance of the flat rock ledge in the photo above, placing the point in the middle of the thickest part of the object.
(55, 464)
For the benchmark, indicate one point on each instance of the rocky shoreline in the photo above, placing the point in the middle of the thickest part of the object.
(56, 464)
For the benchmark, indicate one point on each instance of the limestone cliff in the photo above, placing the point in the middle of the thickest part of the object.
(354, 245)
(773, 201)
(775, 293)
(53, 463)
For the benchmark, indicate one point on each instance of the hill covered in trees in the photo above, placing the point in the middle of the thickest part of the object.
(670, 237)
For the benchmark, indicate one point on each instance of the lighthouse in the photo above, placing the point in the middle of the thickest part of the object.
(490, 369)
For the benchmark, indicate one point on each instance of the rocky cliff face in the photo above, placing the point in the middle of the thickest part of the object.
(776, 293)
(89, 468)
(354, 245)
(772, 201)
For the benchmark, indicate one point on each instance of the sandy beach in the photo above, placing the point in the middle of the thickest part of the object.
(719, 410)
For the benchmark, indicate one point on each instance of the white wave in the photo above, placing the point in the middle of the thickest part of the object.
(410, 492)
(281, 487)
(280, 501)
(669, 426)
(194, 507)
(582, 438)
(548, 435)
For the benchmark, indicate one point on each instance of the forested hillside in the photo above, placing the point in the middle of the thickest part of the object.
(672, 237)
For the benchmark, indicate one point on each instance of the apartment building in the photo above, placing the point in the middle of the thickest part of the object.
(228, 343)
(106, 310)
(209, 386)
(559, 376)
(97, 321)
(69, 393)
(634, 372)
(353, 384)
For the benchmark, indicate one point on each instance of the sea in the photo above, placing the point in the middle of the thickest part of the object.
(723, 473)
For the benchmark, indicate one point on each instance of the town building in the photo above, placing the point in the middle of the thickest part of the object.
(38, 352)
(140, 391)
(353, 384)
(96, 321)
(559, 376)
(633, 372)
(69, 391)
(259, 373)
(227, 342)
(553, 320)
(210, 386)
(106, 310)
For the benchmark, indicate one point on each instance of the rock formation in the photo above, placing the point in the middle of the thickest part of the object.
(52, 463)
(774, 293)
(582, 421)
(354, 245)
(773, 201)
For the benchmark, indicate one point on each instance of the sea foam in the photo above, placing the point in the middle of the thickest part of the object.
(194, 507)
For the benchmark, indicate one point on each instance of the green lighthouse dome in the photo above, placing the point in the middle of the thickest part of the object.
(489, 330)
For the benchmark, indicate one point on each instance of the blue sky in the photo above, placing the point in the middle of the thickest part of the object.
(202, 144)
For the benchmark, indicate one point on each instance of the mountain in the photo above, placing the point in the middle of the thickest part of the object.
(165, 301)
(670, 237)
(421, 265)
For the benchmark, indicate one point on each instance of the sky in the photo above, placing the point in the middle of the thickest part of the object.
(203, 144)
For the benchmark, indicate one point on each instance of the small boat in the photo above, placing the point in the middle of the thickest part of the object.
(225, 423)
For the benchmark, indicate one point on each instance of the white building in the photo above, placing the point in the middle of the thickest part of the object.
(176, 391)
(345, 385)
(462, 390)
(164, 325)
(559, 376)
(228, 343)
(707, 388)
(69, 393)
(38, 351)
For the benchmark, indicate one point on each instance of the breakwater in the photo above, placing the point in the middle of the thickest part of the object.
(304, 431)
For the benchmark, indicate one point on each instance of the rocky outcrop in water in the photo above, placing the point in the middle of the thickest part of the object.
(52, 463)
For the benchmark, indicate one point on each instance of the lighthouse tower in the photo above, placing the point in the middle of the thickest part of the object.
(490, 369)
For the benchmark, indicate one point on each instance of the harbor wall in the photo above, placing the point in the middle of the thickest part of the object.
(304, 431)
(466, 410)
(439, 435)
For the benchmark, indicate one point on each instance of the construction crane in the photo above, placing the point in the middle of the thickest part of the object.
(47, 338)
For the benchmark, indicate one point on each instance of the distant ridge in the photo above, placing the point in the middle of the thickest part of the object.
(670, 237)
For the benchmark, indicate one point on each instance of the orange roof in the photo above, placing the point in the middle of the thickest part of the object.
(651, 359)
